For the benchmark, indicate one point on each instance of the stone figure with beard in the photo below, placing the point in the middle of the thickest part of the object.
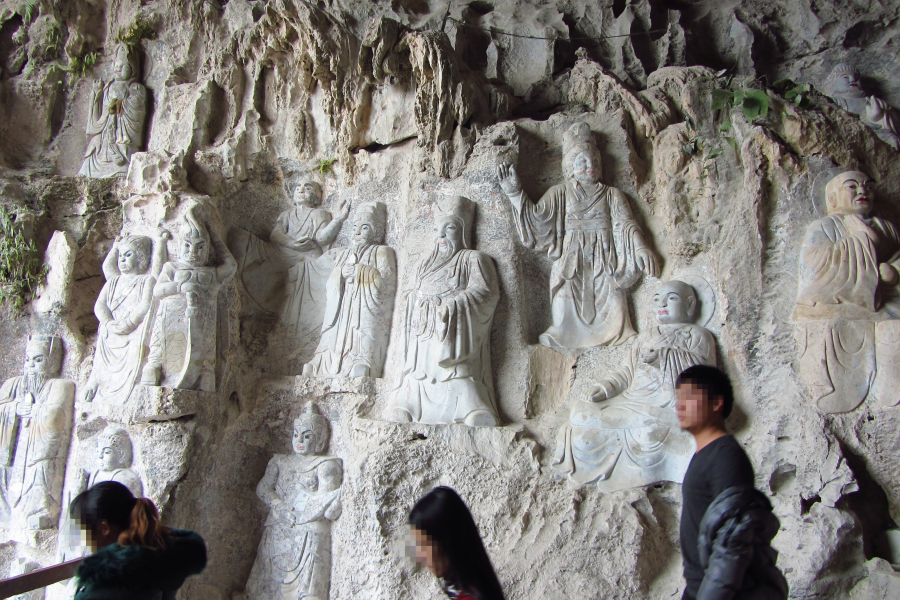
(843, 86)
(446, 374)
(359, 302)
(35, 421)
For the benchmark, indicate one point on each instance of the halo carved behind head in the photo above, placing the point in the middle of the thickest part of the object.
(706, 297)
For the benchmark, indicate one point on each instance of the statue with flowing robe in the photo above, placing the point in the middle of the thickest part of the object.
(598, 249)
(446, 375)
(843, 86)
(117, 110)
(359, 302)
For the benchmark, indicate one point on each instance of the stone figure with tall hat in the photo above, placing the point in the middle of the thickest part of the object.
(626, 433)
(303, 493)
(35, 422)
(848, 303)
(598, 249)
(183, 339)
(446, 375)
(844, 86)
(359, 302)
(131, 269)
(116, 114)
(287, 274)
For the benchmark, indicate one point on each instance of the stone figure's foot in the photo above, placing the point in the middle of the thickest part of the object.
(151, 375)
(398, 415)
(481, 418)
(208, 382)
(38, 522)
(360, 370)
(89, 393)
(307, 370)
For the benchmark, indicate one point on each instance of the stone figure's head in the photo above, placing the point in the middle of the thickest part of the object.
(453, 219)
(114, 446)
(675, 302)
(844, 81)
(195, 246)
(370, 224)
(850, 193)
(310, 432)
(581, 160)
(125, 67)
(134, 254)
(308, 193)
(43, 355)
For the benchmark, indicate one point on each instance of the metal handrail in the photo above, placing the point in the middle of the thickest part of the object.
(38, 578)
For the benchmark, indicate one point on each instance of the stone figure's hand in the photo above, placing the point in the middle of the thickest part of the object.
(647, 262)
(344, 210)
(348, 271)
(117, 327)
(874, 111)
(598, 393)
(24, 406)
(509, 180)
(888, 274)
(96, 87)
(304, 245)
(162, 233)
(648, 355)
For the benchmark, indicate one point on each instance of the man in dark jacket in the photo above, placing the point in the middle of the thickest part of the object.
(726, 524)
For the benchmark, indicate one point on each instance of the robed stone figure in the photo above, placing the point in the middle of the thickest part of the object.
(446, 375)
(598, 249)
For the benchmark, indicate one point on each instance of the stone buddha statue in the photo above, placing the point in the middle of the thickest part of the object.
(843, 86)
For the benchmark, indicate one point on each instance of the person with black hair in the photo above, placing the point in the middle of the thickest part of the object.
(135, 556)
(448, 543)
(726, 524)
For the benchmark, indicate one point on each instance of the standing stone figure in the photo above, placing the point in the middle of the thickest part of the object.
(116, 118)
(626, 433)
(849, 302)
(122, 308)
(843, 87)
(599, 251)
(286, 276)
(446, 375)
(303, 492)
(35, 421)
(359, 302)
(183, 341)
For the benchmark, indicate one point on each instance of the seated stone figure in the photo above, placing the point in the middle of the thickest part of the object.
(848, 300)
(359, 302)
(843, 86)
(626, 434)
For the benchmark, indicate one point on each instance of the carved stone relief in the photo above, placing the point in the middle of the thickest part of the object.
(625, 433)
(359, 302)
(116, 118)
(303, 493)
(183, 339)
(598, 249)
(446, 375)
(35, 421)
(843, 86)
(848, 293)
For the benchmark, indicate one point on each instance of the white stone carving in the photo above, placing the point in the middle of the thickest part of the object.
(35, 421)
(287, 276)
(843, 86)
(626, 434)
(116, 118)
(303, 492)
(447, 375)
(359, 302)
(114, 455)
(848, 293)
(588, 229)
(183, 340)
(131, 269)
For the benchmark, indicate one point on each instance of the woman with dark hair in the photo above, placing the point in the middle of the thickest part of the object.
(135, 556)
(447, 542)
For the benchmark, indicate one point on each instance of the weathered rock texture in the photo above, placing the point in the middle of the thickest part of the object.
(407, 101)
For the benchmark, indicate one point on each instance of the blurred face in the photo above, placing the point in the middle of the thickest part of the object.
(672, 305)
(363, 233)
(307, 194)
(109, 459)
(847, 84)
(449, 234)
(304, 440)
(37, 361)
(586, 167)
(428, 553)
(694, 408)
(853, 194)
(129, 260)
(194, 252)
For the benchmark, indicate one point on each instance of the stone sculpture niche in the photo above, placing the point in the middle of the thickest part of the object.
(843, 87)
(848, 304)
(131, 269)
(183, 340)
(598, 249)
(626, 433)
(35, 421)
(446, 375)
(303, 493)
(117, 110)
(286, 275)
(359, 302)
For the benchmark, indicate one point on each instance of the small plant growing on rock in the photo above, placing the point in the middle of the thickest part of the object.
(325, 165)
(21, 268)
(28, 10)
(80, 65)
(139, 30)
